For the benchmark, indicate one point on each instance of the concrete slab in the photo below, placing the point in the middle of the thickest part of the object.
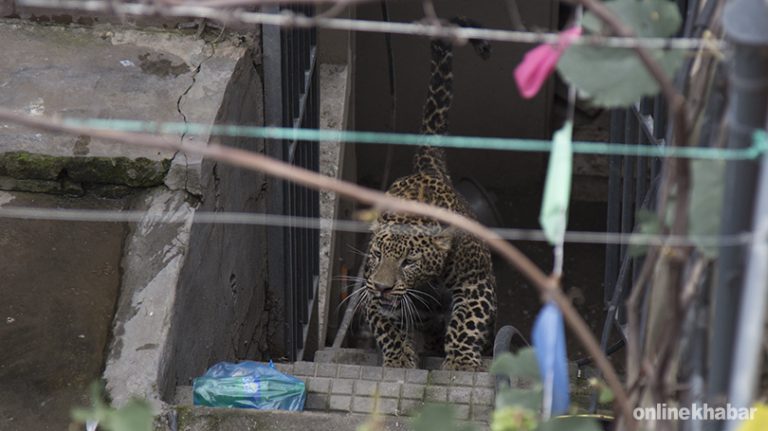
(109, 73)
(205, 419)
(59, 285)
(154, 254)
(334, 93)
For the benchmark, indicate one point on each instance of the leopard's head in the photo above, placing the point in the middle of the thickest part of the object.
(403, 257)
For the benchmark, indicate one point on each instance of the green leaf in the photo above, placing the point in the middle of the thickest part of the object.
(570, 423)
(514, 419)
(503, 365)
(647, 18)
(521, 365)
(517, 397)
(136, 415)
(606, 395)
(648, 223)
(614, 77)
(439, 417)
(706, 202)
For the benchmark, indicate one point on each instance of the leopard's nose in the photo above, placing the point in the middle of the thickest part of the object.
(381, 287)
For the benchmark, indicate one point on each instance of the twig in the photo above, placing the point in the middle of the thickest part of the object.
(691, 285)
(246, 159)
(634, 360)
(289, 19)
(681, 178)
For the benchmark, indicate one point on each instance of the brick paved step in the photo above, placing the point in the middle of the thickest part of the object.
(349, 388)
(371, 357)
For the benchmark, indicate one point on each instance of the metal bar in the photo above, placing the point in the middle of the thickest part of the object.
(613, 216)
(646, 122)
(644, 137)
(274, 96)
(745, 374)
(744, 22)
(292, 102)
(641, 188)
(628, 178)
(307, 84)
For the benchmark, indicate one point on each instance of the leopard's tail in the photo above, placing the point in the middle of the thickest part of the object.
(440, 96)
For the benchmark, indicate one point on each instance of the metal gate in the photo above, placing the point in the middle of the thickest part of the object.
(291, 99)
(632, 185)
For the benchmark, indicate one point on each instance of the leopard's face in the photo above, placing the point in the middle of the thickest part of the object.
(401, 261)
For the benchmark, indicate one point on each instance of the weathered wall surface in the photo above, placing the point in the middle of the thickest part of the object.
(224, 307)
(152, 258)
(58, 285)
(217, 302)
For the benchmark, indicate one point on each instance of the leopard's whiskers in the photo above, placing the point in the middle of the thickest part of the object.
(415, 317)
(432, 286)
(403, 316)
(358, 252)
(347, 278)
(409, 313)
(416, 294)
(418, 315)
(358, 291)
(365, 297)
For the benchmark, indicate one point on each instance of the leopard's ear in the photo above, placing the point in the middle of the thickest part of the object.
(444, 239)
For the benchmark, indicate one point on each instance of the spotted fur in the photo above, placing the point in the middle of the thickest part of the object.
(412, 261)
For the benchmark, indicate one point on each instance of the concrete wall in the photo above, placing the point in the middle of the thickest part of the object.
(225, 309)
(161, 299)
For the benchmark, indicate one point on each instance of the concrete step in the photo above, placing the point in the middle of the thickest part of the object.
(373, 358)
(207, 419)
(354, 389)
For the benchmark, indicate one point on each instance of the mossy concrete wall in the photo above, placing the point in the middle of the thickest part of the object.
(105, 72)
(189, 294)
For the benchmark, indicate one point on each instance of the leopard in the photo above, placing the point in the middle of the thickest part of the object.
(412, 261)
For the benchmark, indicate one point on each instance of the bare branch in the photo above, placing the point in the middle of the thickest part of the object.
(288, 19)
(548, 286)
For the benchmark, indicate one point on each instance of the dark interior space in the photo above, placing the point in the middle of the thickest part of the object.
(486, 103)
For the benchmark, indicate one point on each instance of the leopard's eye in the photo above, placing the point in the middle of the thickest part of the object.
(408, 261)
(376, 253)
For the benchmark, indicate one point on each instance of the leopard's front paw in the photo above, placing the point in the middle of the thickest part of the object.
(400, 362)
(462, 363)
(406, 358)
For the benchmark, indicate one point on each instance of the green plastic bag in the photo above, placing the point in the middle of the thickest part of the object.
(249, 385)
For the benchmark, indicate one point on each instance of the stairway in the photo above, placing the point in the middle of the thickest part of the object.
(346, 386)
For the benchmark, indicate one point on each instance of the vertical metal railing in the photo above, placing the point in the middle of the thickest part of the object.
(632, 185)
(291, 96)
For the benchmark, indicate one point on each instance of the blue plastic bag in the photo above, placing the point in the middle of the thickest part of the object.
(250, 385)
(549, 342)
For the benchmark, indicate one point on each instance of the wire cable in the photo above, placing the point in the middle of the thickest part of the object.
(758, 147)
(289, 19)
(510, 234)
